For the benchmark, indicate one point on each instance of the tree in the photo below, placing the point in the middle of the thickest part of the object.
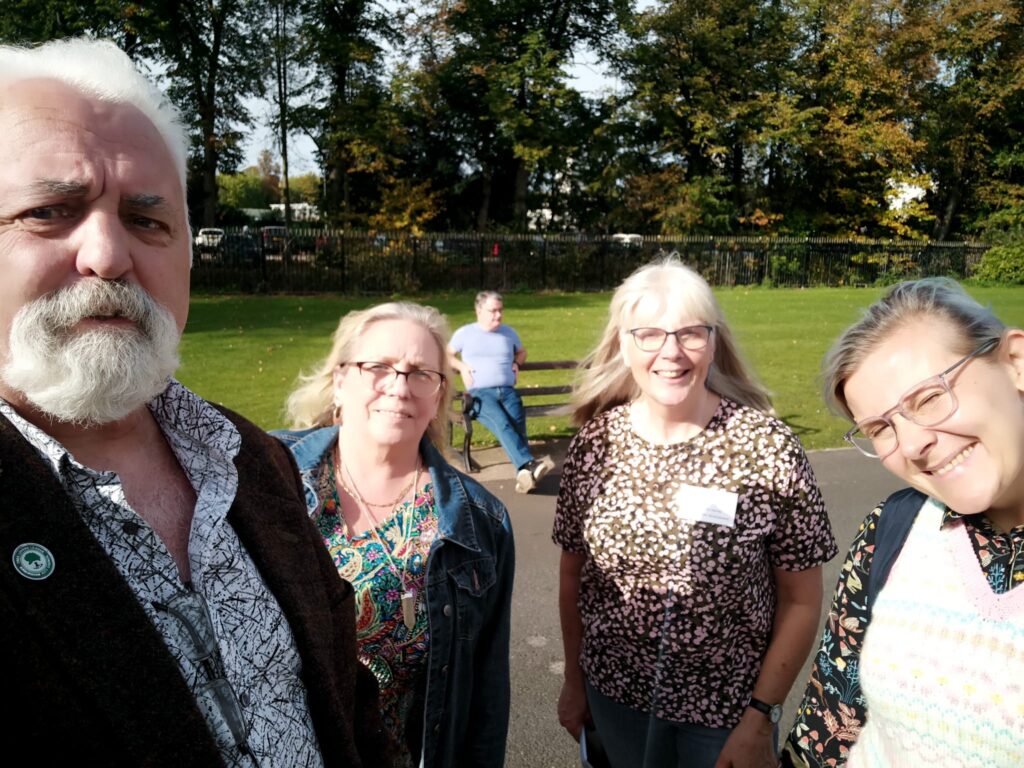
(305, 188)
(243, 190)
(283, 48)
(36, 21)
(213, 53)
(210, 54)
(973, 121)
(499, 68)
(711, 88)
(343, 103)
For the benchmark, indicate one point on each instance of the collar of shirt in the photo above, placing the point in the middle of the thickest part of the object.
(979, 522)
(203, 440)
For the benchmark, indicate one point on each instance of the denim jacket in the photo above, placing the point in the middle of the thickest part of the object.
(468, 596)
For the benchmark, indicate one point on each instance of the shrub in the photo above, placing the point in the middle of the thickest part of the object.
(1003, 264)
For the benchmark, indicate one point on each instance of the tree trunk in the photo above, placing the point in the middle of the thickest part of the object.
(522, 178)
(943, 225)
(281, 70)
(483, 212)
(209, 180)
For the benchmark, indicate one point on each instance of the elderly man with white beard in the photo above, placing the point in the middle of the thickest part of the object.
(165, 601)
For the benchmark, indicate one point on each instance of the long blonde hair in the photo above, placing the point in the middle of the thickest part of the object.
(311, 404)
(603, 381)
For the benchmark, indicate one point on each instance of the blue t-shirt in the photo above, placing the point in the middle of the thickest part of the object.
(489, 354)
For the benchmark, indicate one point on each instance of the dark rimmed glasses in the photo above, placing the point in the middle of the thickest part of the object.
(926, 404)
(692, 338)
(422, 382)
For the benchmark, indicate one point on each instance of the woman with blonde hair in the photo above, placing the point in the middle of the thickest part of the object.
(692, 532)
(428, 550)
(922, 657)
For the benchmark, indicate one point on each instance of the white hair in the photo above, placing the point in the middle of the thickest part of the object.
(99, 70)
(603, 381)
(99, 375)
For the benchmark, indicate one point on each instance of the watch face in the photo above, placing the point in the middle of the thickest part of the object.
(775, 714)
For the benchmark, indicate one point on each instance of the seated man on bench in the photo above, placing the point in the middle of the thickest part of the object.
(490, 356)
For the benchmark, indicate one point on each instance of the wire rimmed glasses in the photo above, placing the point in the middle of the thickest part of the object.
(215, 695)
(692, 338)
(422, 382)
(926, 404)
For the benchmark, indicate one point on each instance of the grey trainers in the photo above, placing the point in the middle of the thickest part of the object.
(532, 472)
(524, 479)
(541, 467)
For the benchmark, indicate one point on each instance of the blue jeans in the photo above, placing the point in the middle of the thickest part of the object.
(635, 739)
(500, 409)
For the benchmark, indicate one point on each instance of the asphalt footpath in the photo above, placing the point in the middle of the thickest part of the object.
(851, 485)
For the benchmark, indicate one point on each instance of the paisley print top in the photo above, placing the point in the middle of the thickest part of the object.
(677, 613)
(396, 655)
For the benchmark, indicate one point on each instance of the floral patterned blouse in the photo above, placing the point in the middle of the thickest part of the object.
(677, 612)
(396, 655)
(833, 710)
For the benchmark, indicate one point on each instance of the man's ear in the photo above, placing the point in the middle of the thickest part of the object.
(1013, 355)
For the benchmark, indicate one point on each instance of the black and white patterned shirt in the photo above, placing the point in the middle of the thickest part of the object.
(257, 653)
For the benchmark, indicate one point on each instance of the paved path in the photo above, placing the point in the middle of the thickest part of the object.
(850, 483)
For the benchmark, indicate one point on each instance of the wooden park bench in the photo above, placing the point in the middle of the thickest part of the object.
(463, 403)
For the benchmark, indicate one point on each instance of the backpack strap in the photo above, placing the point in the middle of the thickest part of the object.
(894, 523)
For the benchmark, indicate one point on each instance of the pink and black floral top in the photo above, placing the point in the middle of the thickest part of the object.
(677, 611)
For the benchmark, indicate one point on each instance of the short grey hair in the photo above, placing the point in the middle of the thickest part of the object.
(99, 70)
(484, 296)
(939, 298)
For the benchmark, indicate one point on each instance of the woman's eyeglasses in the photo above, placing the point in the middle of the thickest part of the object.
(926, 404)
(422, 382)
(693, 338)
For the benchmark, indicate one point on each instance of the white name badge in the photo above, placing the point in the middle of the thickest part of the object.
(706, 505)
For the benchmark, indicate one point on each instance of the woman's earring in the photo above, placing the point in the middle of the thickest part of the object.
(336, 413)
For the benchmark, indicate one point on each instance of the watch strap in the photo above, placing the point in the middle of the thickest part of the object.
(772, 711)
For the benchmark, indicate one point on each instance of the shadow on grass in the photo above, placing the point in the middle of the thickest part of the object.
(800, 430)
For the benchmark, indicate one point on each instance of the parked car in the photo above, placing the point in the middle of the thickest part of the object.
(240, 250)
(274, 239)
(208, 240)
(627, 240)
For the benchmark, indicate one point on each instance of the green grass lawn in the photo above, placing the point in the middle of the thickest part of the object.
(245, 352)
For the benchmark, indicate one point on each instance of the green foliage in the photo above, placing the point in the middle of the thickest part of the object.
(306, 188)
(1001, 264)
(243, 190)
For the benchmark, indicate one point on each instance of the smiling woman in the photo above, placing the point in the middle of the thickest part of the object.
(934, 384)
(428, 550)
(687, 514)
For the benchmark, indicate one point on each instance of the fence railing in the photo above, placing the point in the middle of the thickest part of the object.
(316, 260)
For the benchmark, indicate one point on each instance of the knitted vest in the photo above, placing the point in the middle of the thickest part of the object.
(942, 667)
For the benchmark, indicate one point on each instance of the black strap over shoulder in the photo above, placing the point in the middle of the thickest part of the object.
(894, 523)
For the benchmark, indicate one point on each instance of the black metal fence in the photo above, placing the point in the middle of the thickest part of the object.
(306, 260)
